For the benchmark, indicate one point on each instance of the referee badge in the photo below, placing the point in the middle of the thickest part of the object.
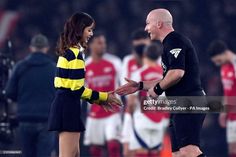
(175, 52)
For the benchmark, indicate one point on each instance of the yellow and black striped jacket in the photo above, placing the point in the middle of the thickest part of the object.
(70, 75)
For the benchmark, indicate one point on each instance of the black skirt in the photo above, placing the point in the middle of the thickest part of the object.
(65, 113)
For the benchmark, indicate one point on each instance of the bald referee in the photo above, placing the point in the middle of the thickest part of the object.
(181, 78)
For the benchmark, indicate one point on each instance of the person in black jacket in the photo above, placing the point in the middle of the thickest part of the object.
(31, 86)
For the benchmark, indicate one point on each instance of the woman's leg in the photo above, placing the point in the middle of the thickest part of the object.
(69, 144)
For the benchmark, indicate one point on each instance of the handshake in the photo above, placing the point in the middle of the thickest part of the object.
(112, 102)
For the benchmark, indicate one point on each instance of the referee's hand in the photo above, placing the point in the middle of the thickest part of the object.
(129, 88)
(151, 93)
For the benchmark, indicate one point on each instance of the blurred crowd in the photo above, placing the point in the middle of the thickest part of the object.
(202, 21)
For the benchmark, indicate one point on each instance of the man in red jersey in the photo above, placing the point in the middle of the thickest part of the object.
(222, 56)
(102, 73)
(148, 127)
(131, 63)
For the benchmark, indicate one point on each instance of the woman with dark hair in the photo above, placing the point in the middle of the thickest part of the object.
(69, 82)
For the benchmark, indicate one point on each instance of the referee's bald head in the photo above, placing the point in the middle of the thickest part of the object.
(162, 15)
(159, 23)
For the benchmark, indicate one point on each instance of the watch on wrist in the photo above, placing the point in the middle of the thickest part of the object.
(140, 85)
(158, 90)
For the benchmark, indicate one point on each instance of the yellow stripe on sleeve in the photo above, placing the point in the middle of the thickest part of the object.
(103, 96)
(87, 93)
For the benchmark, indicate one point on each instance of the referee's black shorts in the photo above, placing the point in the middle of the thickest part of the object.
(185, 129)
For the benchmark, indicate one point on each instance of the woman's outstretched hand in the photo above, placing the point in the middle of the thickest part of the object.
(112, 103)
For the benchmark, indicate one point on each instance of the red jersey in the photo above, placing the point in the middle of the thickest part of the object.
(228, 77)
(147, 74)
(102, 76)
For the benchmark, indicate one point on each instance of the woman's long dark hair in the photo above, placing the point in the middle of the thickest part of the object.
(73, 31)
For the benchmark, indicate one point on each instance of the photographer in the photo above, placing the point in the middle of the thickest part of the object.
(31, 86)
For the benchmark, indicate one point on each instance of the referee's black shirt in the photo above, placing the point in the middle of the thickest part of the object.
(179, 53)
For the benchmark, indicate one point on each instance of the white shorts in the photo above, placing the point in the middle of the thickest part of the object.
(100, 130)
(231, 131)
(126, 128)
(151, 133)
